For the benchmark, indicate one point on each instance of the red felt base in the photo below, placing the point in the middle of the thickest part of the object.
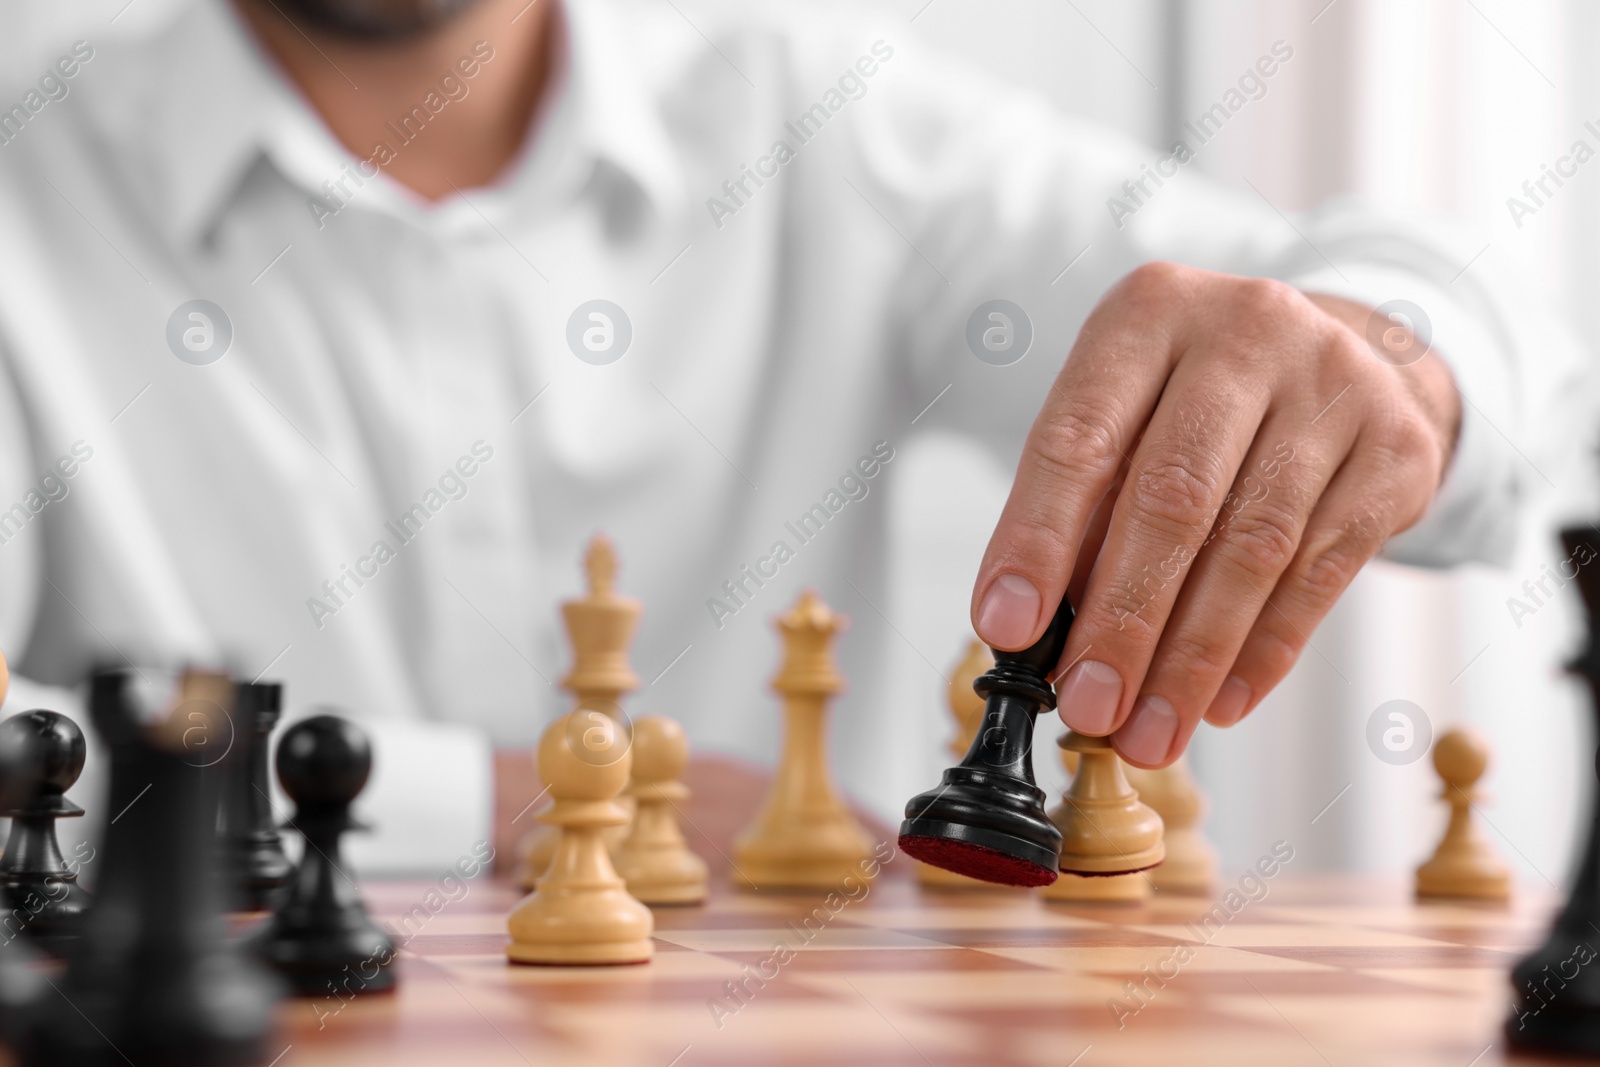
(975, 861)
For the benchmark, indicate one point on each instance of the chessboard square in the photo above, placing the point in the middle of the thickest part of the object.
(708, 918)
(1485, 982)
(928, 990)
(1335, 981)
(494, 971)
(942, 959)
(1133, 1048)
(433, 946)
(764, 1030)
(1418, 915)
(1110, 960)
(1005, 915)
(771, 903)
(763, 939)
(1388, 1022)
(1283, 935)
(1143, 1045)
(1515, 938)
(403, 925)
(1061, 937)
(438, 1047)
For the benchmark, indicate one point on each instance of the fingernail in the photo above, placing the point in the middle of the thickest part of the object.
(1009, 612)
(1232, 699)
(1149, 731)
(1089, 698)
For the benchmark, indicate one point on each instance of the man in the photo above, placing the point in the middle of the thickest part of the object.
(359, 316)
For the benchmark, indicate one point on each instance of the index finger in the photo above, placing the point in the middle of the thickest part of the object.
(1097, 408)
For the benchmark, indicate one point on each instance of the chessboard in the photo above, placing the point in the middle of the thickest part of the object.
(881, 961)
(1319, 970)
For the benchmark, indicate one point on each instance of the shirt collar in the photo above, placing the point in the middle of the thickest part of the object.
(616, 116)
(218, 106)
(213, 100)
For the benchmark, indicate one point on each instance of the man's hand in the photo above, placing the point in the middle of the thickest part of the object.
(1216, 461)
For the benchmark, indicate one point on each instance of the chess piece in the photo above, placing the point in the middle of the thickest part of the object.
(600, 628)
(320, 939)
(1556, 987)
(804, 836)
(154, 980)
(965, 703)
(579, 911)
(41, 891)
(1463, 865)
(966, 706)
(21, 979)
(654, 859)
(1104, 827)
(1135, 888)
(1190, 868)
(986, 819)
(252, 849)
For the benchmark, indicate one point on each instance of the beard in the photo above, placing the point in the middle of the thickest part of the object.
(376, 20)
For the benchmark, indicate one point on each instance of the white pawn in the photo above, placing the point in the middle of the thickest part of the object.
(1463, 865)
(1136, 888)
(1191, 864)
(580, 911)
(654, 859)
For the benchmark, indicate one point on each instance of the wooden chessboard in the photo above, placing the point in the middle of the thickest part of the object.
(1322, 970)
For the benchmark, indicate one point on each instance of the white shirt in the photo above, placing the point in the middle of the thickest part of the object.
(783, 330)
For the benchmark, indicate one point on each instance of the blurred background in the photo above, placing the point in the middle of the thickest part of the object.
(1422, 104)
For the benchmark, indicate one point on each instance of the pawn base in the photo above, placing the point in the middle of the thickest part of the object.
(50, 919)
(1106, 889)
(983, 824)
(663, 874)
(1190, 868)
(1454, 885)
(829, 873)
(1102, 866)
(615, 953)
(678, 893)
(316, 960)
(939, 879)
(952, 847)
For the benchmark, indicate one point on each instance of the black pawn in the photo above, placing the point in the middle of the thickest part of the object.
(1556, 988)
(21, 979)
(43, 899)
(154, 980)
(258, 869)
(321, 939)
(987, 820)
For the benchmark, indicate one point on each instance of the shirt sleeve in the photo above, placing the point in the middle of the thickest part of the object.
(997, 197)
(24, 494)
(429, 800)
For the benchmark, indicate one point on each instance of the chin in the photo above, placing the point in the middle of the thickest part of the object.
(376, 20)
